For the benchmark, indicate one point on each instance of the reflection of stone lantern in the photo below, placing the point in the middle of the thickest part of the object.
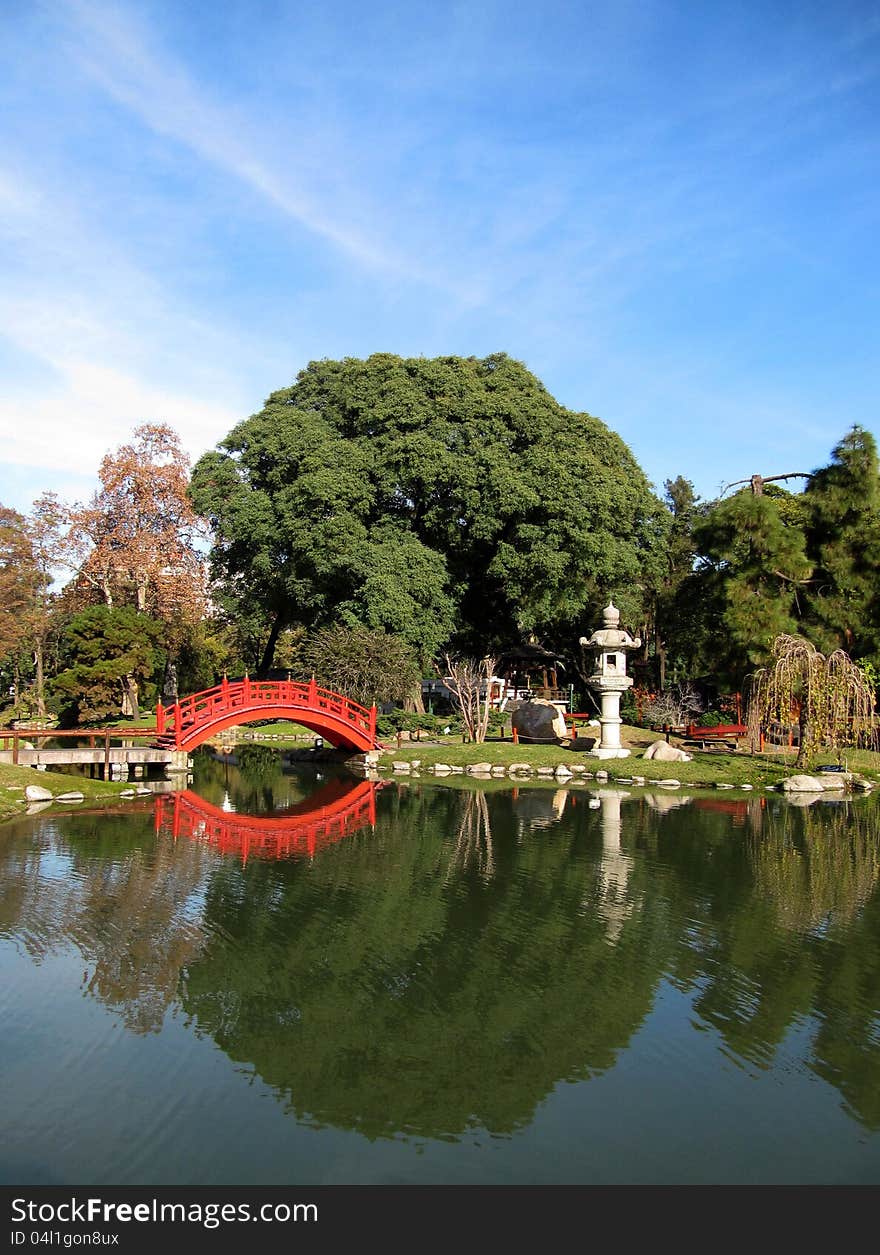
(614, 866)
(609, 678)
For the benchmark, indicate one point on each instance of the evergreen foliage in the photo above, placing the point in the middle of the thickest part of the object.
(109, 655)
(447, 498)
(753, 565)
(842, 503)
(19, 582)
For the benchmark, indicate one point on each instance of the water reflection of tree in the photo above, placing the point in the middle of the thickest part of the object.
(819, 865)
(257, 777)
(786, 935)
(374, 993)
(473, 845)
(255, 783)
(125, 902)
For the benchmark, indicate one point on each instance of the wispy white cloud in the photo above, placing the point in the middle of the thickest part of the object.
(95, 331)
(129, 63)
(89, 408)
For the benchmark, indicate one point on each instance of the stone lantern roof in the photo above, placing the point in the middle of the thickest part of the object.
(611, 635)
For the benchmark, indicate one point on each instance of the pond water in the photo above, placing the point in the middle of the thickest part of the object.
(303, 977)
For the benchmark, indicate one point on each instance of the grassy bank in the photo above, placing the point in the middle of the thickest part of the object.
(14, 781)
(707, 768)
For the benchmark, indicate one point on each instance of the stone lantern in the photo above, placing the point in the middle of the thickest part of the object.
(609, 678)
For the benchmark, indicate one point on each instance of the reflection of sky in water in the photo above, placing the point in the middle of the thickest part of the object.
(55, 865)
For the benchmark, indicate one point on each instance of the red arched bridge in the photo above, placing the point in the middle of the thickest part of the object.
(193, 720)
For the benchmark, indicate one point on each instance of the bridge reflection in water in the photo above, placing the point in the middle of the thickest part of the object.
(338, 809)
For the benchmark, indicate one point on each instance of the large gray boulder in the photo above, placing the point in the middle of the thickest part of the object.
(36, 793)
(539, 720)
(666, 753)
(804, 784)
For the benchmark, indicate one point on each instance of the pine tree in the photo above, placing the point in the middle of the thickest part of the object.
(753, 570)
(843, 541)
(680, 554)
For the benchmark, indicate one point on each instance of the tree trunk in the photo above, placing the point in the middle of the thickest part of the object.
(660, 655)
(803, 740)
(269, 652)
(39, 694)
(414, 702)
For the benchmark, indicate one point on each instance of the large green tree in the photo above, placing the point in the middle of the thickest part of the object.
(19, 581)
(842, 508)
(749, 583)
(771, 562)
(437, 499)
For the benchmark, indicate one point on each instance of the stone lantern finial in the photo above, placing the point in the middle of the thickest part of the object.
(610, 615)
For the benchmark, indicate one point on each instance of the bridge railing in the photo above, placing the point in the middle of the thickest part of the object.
(247, 694)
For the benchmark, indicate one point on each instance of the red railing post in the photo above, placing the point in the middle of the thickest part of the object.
(177, 727)
(313, 692)
(246, 689)
(373, 724)
(160, 719)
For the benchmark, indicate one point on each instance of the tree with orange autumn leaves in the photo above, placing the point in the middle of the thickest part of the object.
(135, 543)
(133, 548)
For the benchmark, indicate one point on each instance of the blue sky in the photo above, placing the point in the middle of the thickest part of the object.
(669, 211)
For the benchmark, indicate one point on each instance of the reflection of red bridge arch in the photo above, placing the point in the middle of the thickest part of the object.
(337, 810)
(193, 720)
(738, 807)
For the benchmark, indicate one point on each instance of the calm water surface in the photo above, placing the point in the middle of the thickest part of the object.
(303, 978)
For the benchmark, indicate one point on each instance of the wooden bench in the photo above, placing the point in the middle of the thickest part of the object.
(721, 734)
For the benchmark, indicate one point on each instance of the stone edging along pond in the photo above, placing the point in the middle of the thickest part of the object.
(24, 791)
(784, 778)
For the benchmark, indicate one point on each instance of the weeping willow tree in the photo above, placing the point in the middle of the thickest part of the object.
(829, 695)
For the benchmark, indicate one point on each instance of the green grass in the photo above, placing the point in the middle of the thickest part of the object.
(14, 780)
(706, 768)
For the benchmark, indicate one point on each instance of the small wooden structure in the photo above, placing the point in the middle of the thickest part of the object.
(529, 670)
